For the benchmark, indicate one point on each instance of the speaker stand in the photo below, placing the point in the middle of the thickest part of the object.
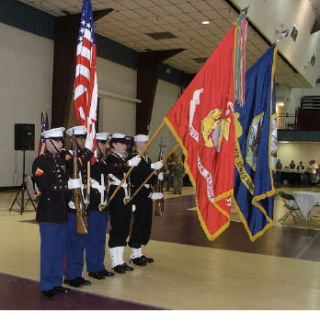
(22, 189)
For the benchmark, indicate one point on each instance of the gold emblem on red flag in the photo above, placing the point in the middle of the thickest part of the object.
(214, 128)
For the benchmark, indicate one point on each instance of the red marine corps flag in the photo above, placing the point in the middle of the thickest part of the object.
(202, 121)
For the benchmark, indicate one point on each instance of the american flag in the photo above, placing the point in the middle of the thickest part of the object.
(85, 86)
(44, 127)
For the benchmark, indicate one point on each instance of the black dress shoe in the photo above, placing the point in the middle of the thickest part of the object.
(73, 283)
(106, 273)
(139, 261)
(52, 294)
(96, 275)
(61, 290)
(119, 269)
(83, 282)
(148, 260)
(127, 268)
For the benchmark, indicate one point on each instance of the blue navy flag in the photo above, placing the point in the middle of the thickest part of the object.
(256, 147)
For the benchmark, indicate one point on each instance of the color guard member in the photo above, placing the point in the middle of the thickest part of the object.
(52, 179)
(120, 213)
(76, 243)
(142, 221)
(98, 219)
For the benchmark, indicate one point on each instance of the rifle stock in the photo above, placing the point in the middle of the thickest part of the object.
(159, 204)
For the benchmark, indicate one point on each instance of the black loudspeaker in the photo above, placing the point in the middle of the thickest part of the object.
(24, 137)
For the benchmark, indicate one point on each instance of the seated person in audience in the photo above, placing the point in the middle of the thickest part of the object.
(313, 173)
(303, 176)
(279, 165)
(309, 171)
(292, 165)
(300, 167)
(318, 174)
(278, 173)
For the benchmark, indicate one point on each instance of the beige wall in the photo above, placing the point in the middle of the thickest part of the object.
(297, 93)
(117, 115)
(25, 86)
(166, 96)
(298, 152)
(272, 16)
(293, 96)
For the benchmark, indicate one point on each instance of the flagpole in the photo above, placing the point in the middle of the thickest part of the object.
(283, 34)
(155, 134)
(88, 170)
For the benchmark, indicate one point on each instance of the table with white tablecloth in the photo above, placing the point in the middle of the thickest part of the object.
(306, 200)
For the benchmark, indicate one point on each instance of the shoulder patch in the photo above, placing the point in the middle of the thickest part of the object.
(68, 157)
(39, 172)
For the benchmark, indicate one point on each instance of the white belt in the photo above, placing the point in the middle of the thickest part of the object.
(115, 182)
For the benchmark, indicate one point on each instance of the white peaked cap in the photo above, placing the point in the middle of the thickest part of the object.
(118, 135)
(102, 136)
(54, 132)
(77, 130)
(141, 138)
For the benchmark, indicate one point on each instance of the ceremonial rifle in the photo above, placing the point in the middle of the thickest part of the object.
(81, 214)
(150, 176)
(159, 204)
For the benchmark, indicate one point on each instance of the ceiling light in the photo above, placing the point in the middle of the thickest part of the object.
(205, 22)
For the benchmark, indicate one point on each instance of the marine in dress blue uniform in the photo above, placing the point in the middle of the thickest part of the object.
(98, 220)
(76, 243)
(52, 180)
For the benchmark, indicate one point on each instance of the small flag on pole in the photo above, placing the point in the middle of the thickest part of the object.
(44, 127)
(85, 85)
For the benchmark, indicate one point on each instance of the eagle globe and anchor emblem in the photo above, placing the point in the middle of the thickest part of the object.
(214, 128)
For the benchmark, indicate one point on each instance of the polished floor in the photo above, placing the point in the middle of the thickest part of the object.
(278, 271)
(26, 297)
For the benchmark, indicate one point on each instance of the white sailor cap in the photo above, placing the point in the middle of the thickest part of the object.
(141, 138)
(102, 136)
(53, 133)
(77, 130)
(118, 138)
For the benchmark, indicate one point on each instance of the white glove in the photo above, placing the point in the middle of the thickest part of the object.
(134, 161)
(133, 208)
(72, 205)
(160, 176)
(157, 165)
(156, 195)
(96, 185)
(74, 183)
